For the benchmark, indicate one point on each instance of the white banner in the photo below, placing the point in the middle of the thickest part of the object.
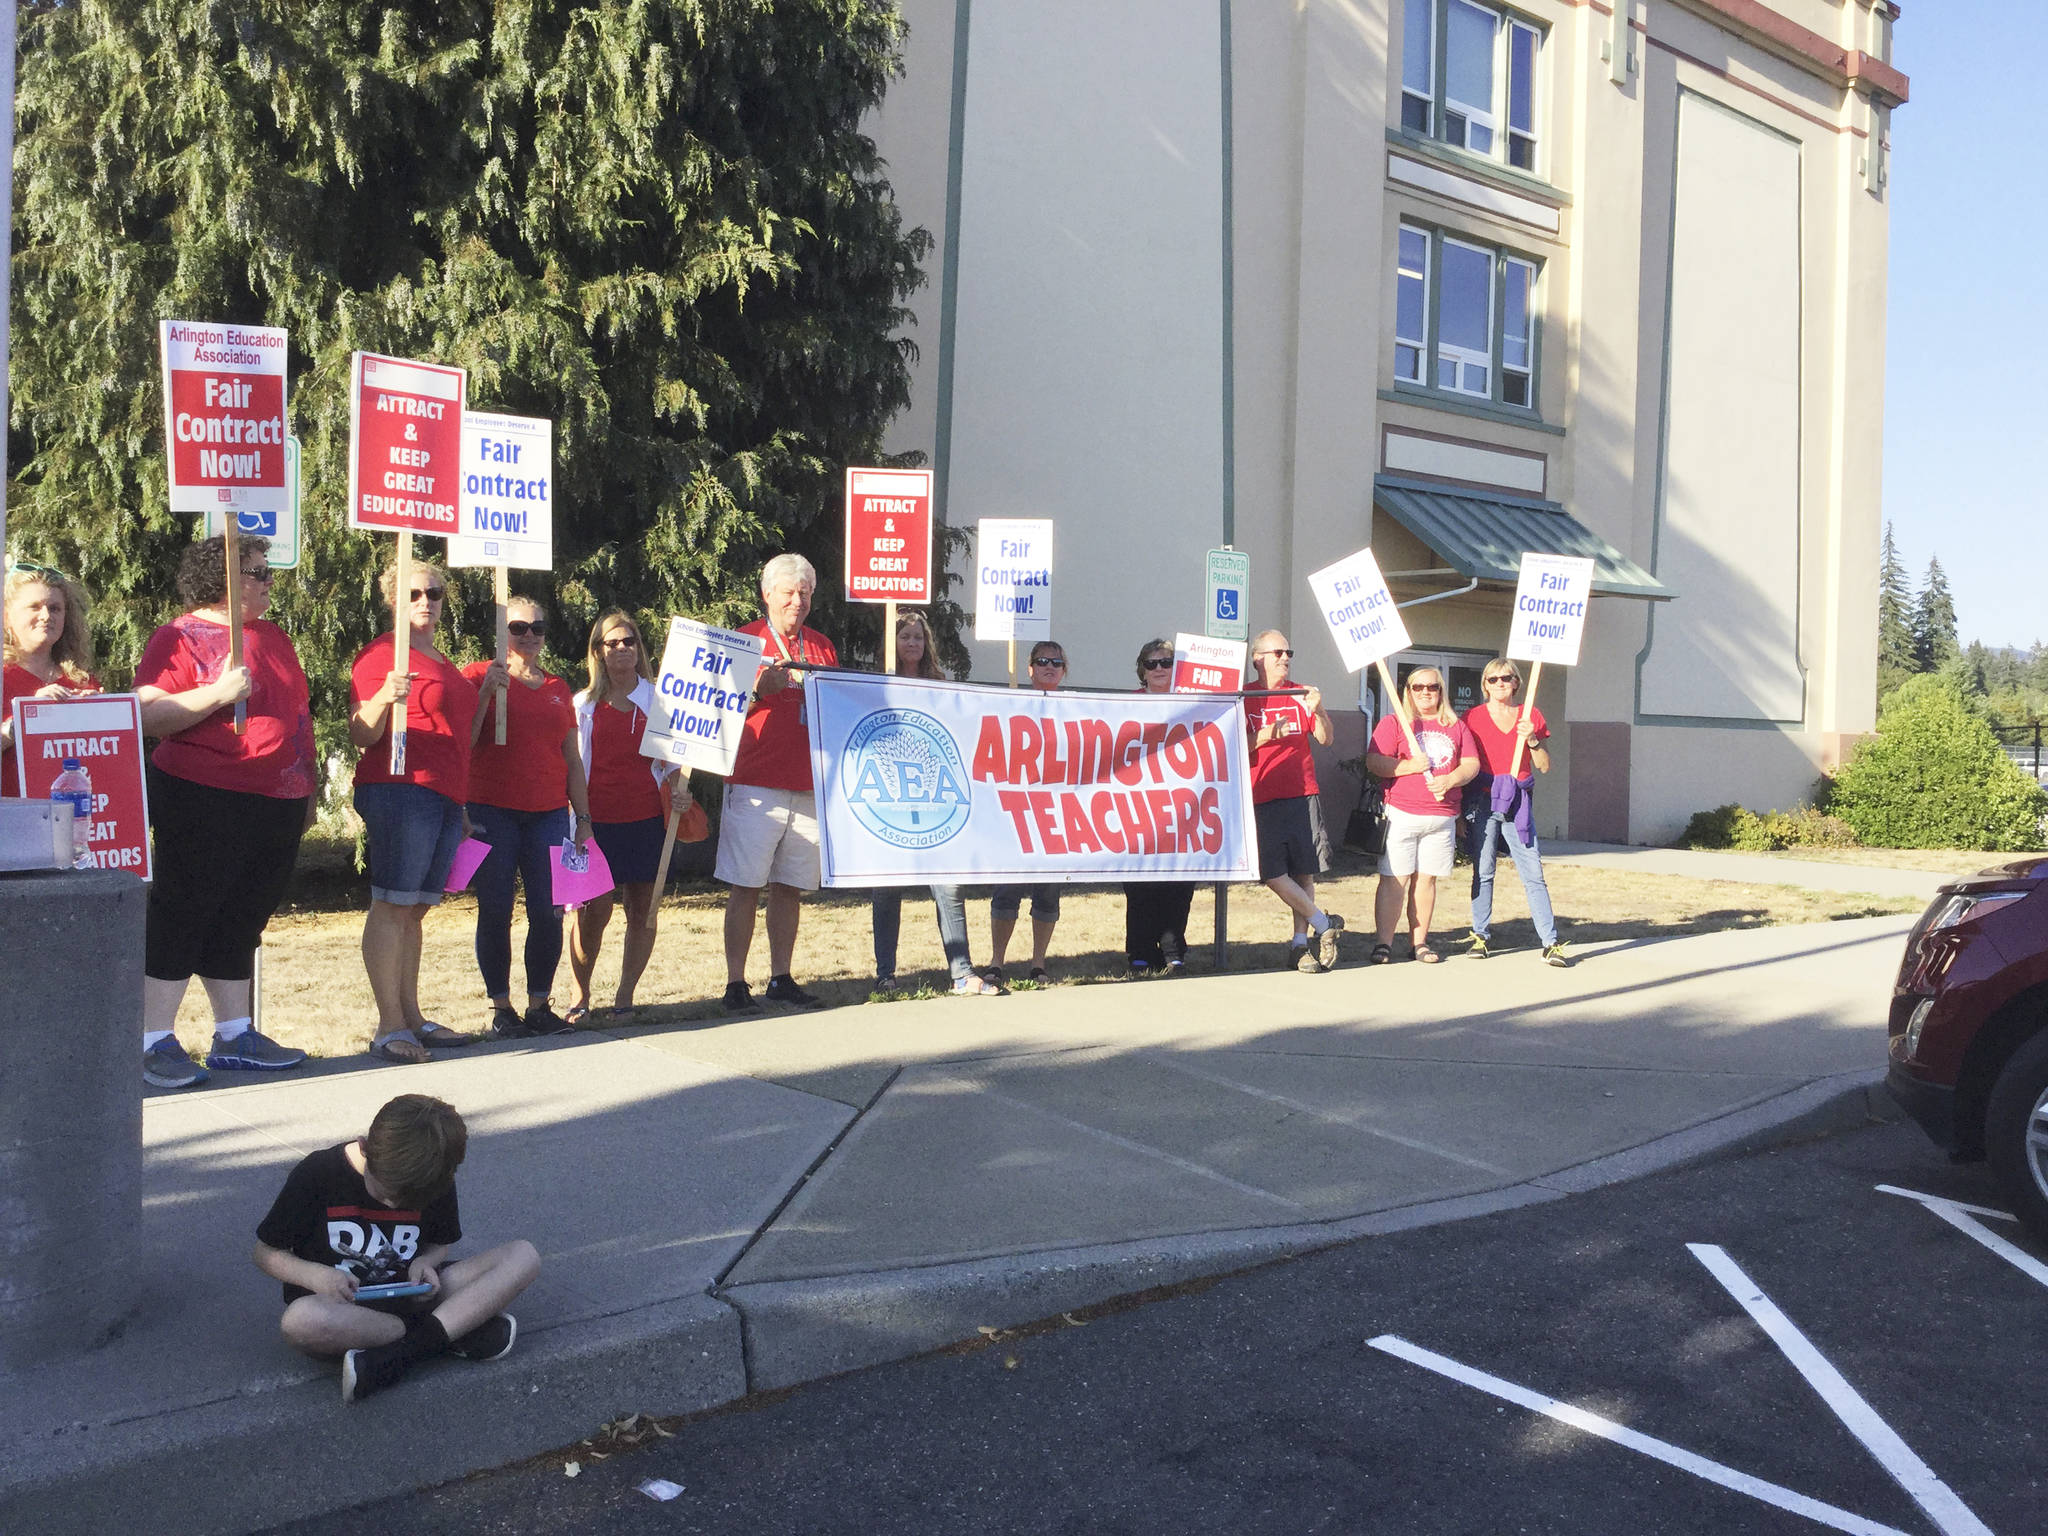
(949, 782)
(701, 695)
(1013, 579)
(1355, 603)
(1550, 609)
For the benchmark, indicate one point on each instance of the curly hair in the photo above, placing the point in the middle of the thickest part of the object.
(203, 569)
(72, 651)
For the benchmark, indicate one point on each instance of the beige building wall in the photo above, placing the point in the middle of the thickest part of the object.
(1102, 346)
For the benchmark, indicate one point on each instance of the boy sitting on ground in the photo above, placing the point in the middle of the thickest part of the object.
(381, 1210)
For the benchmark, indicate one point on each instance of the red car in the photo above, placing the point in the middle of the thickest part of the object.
(1969, 1028)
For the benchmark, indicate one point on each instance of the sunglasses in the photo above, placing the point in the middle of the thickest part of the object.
(1158, 663)
(1509, 680)
(617, 645)
(432, 594)
(519, 629)
(262, 573)
(1048, 661)
(47, 572)
(1283, 655)
(1425, 687)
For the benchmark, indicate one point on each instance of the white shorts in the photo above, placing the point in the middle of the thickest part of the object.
(768, 837)
(1419, 844)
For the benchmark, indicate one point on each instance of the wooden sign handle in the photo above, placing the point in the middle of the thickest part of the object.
(1013, 661)
(1392, 691)
(889, 637)
(1528, 708)
(401, 647)
(668, 848)
(501, 585)
(231, 555)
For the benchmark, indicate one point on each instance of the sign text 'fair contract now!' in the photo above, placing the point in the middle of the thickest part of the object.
(405, 444)
(224, 416)
(889, 535)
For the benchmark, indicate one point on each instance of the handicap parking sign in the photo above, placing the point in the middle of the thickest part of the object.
(1228, 579)
(261, 524)
(1226, 603)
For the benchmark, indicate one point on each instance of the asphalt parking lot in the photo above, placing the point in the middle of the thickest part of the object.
(1765, 1343)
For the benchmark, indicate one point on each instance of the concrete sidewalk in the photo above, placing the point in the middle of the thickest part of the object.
(739, 1206)
(1755, 868)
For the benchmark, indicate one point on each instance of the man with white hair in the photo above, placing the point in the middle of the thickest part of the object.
(768, 834)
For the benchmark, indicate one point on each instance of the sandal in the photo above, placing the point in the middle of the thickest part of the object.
(1427, 955)
(1041, 976)
(1382, 954)
(440, 1037)
(400, 1047)
(972, 985)
(577, 1017)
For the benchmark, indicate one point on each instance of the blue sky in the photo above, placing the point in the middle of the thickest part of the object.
(1966, 402)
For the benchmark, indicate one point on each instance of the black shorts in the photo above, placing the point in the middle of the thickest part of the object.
(223, 863)
(1292, 841)
(632, 849)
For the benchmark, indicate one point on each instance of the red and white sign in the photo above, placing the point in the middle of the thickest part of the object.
(889, 535)
(1202, 664)
(224, 426)
(104, 732)
(404, 444)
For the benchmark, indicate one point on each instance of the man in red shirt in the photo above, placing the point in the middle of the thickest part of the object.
(1287, 805)
(768, 834)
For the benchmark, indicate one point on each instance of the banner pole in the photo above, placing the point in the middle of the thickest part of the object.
(401, 646)
(668, 847)
(231, 557)
(1013, 661)
(1528, 706)
(501, 586)
(889, 637)
(1393, 692)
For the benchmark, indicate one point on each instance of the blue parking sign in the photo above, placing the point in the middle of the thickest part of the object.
(261, 524)
(1226, 604)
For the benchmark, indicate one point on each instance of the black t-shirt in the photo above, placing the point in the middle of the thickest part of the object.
(326, 1213)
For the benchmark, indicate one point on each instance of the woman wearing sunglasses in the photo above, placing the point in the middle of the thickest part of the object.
(1422, 808)
(1156, 911)
(520, 796)
(48, 649)
(227, 811)
(1048, 671)
(1502, 808)
(415, 818)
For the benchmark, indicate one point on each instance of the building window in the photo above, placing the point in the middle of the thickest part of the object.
(1465, 318)
(1472, 68)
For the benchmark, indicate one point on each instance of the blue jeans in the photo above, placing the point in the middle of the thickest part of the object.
(888, 913)
(1528, 864)
(519, 841)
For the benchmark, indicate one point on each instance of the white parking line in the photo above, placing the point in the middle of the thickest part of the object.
(1958, 1215)
(1657, 1450)
(1857, 1416)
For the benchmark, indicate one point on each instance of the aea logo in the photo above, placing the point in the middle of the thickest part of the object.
(904, 780)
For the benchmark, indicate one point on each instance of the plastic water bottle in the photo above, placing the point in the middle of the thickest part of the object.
(74, 785)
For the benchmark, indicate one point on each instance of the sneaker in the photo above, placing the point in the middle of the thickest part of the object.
(1140, 970)
(487, 1341)
(783, 989)
(507, 1025)
(1555, 955)
(1326, 942)
(1305, 961)
(364, 1371)
(541, 1019)
(1175, 966)
(251, 1051)
(165, 1065)
(739, 998)
(1478, 950)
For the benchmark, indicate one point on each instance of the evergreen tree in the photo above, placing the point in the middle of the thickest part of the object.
(659, 225)
(1895, 660)
(1934, 622)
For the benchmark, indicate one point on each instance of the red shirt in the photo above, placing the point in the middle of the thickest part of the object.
(528, 773)
(775, 753)
(437, 717)
(1497, 746)
(20, 683)
(1283, 769)
(621, 787)
(274, 757)
(1444, 745)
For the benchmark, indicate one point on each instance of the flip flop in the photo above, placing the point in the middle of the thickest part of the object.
(440, 1037)
(579, 1016)
(400, 1047)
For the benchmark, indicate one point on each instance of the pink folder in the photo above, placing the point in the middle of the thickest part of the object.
(574, 887)
(469, 854)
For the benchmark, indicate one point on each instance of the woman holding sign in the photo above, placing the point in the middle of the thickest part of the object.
(1422, 808)
(1501, 806)
(414, 816)
(627, 801)
(1156, 911)
(48, 649)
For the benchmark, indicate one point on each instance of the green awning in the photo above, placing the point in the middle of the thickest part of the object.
(1484, 536)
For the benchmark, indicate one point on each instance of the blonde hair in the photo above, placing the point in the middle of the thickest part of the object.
(1498, 665)
(1443, 714)
(387, 583)
(928, 664)
(72, 650)
(600, 689)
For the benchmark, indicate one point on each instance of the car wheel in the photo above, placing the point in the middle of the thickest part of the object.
(2016, 1133)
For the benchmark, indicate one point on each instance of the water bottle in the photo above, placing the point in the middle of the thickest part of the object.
(74, 785)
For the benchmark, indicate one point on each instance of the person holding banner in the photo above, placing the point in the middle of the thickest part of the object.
(1048, 672)
(520, 795)
(1287, 803)
(917, 656)
(625, 797)
(768, 834)
(1156, 911)
(227, 810)
(1496, 725)
(46, 624)
(415, 818)
(1422, 808)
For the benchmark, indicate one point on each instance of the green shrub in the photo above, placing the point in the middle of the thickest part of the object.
(1713, 829)
(1731, 826)
(1934, 777)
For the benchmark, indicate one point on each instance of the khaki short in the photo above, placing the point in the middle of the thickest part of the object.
(768, 837)
(1419, 845)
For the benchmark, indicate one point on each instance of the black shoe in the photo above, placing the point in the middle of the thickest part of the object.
(364, 1371)
(739, 998)
(541, 1019)
(507, 1025)
(783, 989)
(487, 1341)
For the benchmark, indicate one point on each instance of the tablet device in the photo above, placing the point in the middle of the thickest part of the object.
(393, 1291)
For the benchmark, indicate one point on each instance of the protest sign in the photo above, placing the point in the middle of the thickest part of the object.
(224, 416)
(1364, 622)
(1013, 581)
(1548, 623)
(1202, 664)
(889, 535)
(929, 781)
(701, 696)
(1227, 595)
(404, 444)
(104, 732)
(504, 500)
(280, 527)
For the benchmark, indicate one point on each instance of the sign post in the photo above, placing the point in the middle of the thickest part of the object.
(1549, 623)
(404, 456)
(1226, 595)
(1353, 598)
(505, 510)
(889, 543)
(1013, 582)
(104, 732)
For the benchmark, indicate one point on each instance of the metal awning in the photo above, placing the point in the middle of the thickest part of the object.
(1484, 536)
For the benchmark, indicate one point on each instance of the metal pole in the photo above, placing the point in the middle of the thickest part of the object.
(1222, 921)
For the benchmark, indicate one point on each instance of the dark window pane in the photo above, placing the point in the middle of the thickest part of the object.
(1407, 363)
(1521, 152)
(1414, 113)
(1514, 388)
(1454, 126)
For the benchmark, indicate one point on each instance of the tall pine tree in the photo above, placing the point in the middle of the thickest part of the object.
(1895, 658)
(1934, 622)
(659, 225)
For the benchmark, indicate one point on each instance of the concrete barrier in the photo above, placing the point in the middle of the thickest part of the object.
(70, 1110)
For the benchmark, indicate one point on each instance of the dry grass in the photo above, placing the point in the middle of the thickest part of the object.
(1943, 861)
(315, 996)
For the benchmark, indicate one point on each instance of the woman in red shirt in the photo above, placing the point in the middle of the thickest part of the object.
(227, 811)
(520, 795)
(1502, 808)
(47, 630)
(415, 817)
(628, 807)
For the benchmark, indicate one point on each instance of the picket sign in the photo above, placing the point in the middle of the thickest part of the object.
(104, 732)
(701, 696)
(1013, 582)
(1548, 624)
(1354, 601)
(1205, 664)
(889, 543)
(504, 511)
